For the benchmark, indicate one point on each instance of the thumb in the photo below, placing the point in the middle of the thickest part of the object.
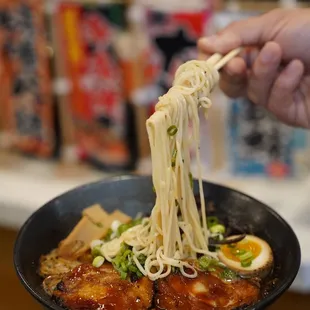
(242, 33)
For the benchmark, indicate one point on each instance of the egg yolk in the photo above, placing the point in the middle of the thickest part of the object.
(232, 251)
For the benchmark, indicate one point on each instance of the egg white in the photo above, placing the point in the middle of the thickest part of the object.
(261, 265)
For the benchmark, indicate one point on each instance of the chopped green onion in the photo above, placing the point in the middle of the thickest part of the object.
(154, 189)
(204, 262)
(172, 130)
(124, 267)
(191, 180)
(174, 157)
(121, 229)
(124, 227)
(207, 262)
(124, 247)
(212, 221)
(108, 235)
(123, 275)
(124, 263)
(127, 253)
(98, 261)
(133, 269)
(246, 263)
(96, 251)
(217, 229)
(117, 261)
(142, 259)
(246, 256)
(228, 274)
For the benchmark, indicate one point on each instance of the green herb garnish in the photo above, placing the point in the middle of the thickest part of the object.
(108, 235)
(124, 227)
(98, 261)
(174, 157)
(246, 263)
(207, 263)
(96, 251)
(191, 180)
(212, 221)
(228, 274)
(246, 256)
(124, 263)
(121, 229)
(172, 130)
(218, 229)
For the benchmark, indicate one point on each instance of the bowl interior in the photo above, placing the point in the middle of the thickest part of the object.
(54, 221)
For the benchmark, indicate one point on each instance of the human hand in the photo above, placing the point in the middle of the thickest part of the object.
(278, 73)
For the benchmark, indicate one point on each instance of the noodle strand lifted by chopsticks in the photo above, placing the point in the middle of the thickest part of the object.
(176, 231)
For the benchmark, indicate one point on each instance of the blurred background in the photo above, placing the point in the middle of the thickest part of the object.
(78, 81)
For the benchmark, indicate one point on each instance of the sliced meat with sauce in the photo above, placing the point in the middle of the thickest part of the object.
(87, 287)
(207, 292)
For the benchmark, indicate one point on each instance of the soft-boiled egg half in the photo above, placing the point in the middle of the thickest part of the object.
(251, 256)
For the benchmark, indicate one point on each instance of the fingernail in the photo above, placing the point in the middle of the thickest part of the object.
(294, 69)
(267, 56)
(207, 41)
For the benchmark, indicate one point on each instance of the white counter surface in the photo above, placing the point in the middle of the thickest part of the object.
(25, 185)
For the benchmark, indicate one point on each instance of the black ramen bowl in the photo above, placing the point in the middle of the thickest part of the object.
(131, 194)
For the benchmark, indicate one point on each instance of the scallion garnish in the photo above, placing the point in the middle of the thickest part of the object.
(246, 256)
(246, 263)
(124, 263)
(191, 180)
(123, 275)
(174, 157)
(207, 263)
(172, 130)
(212, 221)
(107, 237)
(98, 261)
(124, 227)
(228, 275)
(96, 251)
(217, 229)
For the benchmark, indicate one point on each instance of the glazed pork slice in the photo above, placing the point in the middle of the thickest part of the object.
(207, 292)
(87, 287)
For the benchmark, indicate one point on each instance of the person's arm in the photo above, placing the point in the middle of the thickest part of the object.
(279, 75)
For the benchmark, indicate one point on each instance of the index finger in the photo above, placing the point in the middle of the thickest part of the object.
(242, 33)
